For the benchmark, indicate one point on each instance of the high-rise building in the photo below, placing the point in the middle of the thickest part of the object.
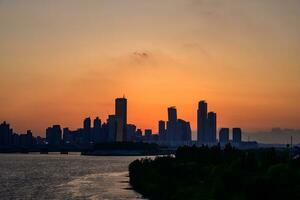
(184, 132)
(162, 130)
(87, 123)
(96, 135)
(202, 135)
(236, 135)
(212, 127)
(121, 116)
(172, 124)
(5, 134)
(26, 140)
(224, 135)
(97, 123)
(172, 114)
(112, 128)
(53, 135)
(87, 130)
(131, 129)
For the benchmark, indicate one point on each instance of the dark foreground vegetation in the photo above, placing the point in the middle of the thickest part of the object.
(212, 173)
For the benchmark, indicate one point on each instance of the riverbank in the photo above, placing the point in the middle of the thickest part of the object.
(212, 173)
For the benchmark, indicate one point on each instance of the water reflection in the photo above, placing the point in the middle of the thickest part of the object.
(55, 176)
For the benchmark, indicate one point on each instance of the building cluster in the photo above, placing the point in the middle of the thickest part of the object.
(115, 129)
(173, 132)
(236, 135)
(206, 124)
(8, 137)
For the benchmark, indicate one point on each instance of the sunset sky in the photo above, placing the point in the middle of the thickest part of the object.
(62, 61)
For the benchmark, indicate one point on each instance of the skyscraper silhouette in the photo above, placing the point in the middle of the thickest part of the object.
(212, 127)
(202, 136)
(162, 130)
(121, 116)
(87, 129)
(97, 123)
(96, 135)
(5, 134)
(224, 135)
(236, 135)
(112, 128)
(172, 123)
(53, 135)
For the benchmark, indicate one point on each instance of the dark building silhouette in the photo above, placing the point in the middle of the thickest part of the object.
(172, 123)
(202, 135)
(112, 128)
(97, 135)
(5, 134)
(184, 131)
(148, 135)
(236, 135)
(15, 139)
(26, 140)
(53, 135)
(178, 131)
(67, 138)
(162, 130)
(131, 129)
(87, 130)
(138, 135)
(212, 127)
(224, 135)
(121, 117)
(97, 123)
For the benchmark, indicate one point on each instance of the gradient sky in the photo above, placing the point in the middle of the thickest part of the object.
(61, 61)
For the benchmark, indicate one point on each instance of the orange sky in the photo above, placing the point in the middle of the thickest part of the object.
(61, 61)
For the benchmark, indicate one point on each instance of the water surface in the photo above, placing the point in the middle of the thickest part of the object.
(55, 176)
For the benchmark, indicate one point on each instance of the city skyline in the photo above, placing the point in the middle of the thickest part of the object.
(172, 133)
(61, 61)
(155, 127)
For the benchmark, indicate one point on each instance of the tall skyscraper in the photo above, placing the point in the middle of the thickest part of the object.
(224, 135)
(87, 129)
(162, 130)
(212, 127)
(172, 123)
(184, 133)
(202, 135)
(172, 114)
(236, 135)
(121, 116)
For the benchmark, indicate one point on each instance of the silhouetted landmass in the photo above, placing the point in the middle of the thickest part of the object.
(212, 173)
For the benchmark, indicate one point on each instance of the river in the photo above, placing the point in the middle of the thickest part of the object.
(72, 176)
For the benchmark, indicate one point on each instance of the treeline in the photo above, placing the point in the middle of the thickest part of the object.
(213, 173)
